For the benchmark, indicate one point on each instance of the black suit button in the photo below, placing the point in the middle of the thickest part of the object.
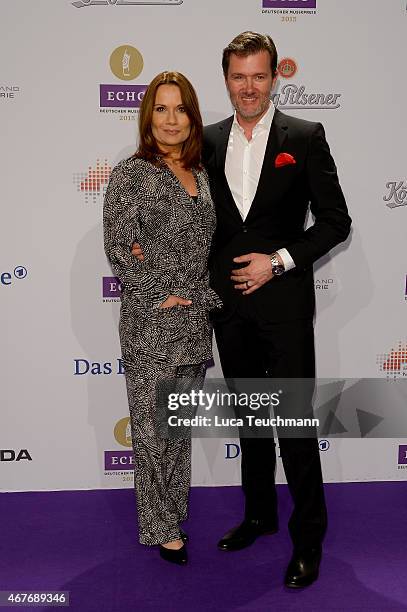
(244, 229)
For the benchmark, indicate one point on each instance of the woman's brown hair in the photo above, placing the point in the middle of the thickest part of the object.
(191, 149)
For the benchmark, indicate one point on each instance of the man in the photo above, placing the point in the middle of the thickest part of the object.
(266, 168)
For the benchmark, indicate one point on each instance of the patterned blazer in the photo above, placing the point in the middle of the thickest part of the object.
(147, 204)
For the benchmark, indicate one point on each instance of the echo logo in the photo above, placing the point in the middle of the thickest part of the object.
(403, 454)
(12, 455)
(111, 287)
(119, 460)
(290, 4)
(6, 278)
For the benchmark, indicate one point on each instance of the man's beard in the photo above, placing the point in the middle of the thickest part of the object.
(256, 112)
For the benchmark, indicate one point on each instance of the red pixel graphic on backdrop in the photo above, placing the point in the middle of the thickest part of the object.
(96, 177)
(396, 359)
(93, 183)
(394, 362)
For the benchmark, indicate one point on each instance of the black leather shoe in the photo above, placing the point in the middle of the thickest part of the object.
(179, 556)
(184, 536)
(303, 568)
(245, 534)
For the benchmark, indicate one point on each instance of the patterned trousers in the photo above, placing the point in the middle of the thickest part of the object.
(162, 466)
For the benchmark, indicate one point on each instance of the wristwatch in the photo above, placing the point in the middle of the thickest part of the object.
(277, 268)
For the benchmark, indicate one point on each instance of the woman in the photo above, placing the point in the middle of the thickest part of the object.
(160, 198)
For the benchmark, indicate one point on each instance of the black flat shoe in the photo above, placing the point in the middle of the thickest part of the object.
(303, 568)
(184, 536)
(179, 556)
(246, 533)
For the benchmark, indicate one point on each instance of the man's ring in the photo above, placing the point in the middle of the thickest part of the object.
(248, 284)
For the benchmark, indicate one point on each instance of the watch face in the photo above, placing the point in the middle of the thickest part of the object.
(278, 270)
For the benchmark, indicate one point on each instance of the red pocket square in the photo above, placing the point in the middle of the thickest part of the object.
(283, 159)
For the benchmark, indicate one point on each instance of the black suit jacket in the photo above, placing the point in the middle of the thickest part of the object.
(277, 216)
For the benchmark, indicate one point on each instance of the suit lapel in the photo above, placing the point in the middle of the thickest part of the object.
(270, 183)
(221, 148)
(222, 143)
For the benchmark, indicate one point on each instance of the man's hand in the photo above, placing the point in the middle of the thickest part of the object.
(174, 300)
(137, 251)
(255, 274)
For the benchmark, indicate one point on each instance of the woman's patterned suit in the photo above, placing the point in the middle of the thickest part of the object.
(146, 203)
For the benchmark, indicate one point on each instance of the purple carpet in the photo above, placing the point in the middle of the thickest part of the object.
(86, 542)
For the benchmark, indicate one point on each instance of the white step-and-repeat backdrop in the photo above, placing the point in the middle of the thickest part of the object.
(71, 80)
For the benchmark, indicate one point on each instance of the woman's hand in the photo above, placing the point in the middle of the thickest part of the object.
(137, 251)
(174, 300)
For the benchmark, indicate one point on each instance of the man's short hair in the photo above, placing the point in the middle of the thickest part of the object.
(248, 43)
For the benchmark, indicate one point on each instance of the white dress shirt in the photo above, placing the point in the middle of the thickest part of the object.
(243, 164)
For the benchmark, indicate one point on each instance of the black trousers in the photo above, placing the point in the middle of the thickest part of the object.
(250, 347)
